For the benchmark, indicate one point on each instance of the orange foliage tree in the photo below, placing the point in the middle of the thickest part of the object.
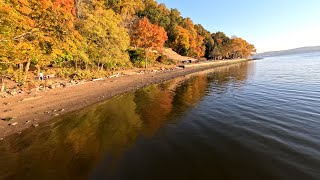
(187, 41)
(148, 36)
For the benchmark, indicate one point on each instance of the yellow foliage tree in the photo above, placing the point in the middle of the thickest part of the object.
(107, 39)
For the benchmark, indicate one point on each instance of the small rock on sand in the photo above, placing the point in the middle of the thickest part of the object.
(13, 124)
(7, 118)
(35, 125)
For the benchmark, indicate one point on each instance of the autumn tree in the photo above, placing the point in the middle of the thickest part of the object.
(239, 48)
(187, 41)
(16, 34)
(148, 36)
(127, 9)
(208, 40)
(156, 13)
(40, 31)
(107, 39)
(181, 42)
(230, 48)
(175, 20)
(221, 40)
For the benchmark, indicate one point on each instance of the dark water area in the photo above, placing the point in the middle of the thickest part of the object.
(254, 120)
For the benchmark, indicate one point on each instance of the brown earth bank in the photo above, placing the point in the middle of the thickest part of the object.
(29, 110)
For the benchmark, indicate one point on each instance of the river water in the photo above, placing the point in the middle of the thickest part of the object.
(254, 120)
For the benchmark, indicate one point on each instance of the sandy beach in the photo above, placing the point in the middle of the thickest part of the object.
(30, 110)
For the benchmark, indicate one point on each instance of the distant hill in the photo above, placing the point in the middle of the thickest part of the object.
(301, 50)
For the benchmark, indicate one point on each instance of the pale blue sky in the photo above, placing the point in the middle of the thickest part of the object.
(268, 24)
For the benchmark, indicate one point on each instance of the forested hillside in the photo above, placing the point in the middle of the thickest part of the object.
(68, 37)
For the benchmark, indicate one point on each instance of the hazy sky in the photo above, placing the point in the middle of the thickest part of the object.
(268, 24)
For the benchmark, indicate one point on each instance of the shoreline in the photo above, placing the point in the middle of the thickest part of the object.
(29, 110)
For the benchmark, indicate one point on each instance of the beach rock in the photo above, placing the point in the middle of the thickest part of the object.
(61, 110)
(73, 83)
(3, 95)
(35, 125)
(56, 85)
(51, 86)
(63, 84)
(13, 124)
(7, 118)
(12, 92)
(98, 79)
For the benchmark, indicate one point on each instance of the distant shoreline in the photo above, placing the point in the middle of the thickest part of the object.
(29, 110)
(289, 52)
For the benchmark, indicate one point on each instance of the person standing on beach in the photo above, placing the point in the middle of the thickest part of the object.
(40, 76)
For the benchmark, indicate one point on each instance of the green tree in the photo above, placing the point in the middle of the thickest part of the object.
(156, 13)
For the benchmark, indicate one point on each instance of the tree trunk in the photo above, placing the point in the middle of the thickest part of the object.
(98, 65)
(77, 4)
(26, 70)
(76, 61)
(21, 67)
(2, 85)
(146, 59)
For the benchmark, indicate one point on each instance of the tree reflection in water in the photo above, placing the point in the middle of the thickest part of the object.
(90, 142)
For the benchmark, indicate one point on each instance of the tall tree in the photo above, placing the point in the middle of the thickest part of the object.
(40, 31)
(156, 13)
(181, 42)
(127, 9)
(107, 39)
(208, 40)
(148, 36)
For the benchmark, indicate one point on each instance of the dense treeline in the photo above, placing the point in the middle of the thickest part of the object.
(96, 35)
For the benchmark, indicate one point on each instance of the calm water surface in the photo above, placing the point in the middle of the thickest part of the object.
(255, 120)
